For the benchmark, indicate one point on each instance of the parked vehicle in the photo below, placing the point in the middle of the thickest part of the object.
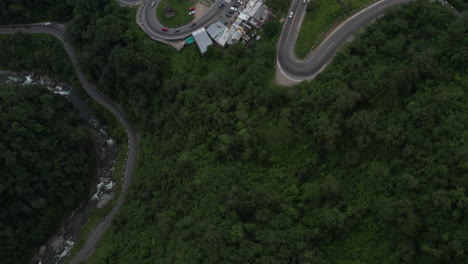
(191, 8)
(154, 3)
(240, 2)
(221, 5)
(228, 14)
(177, 30)
(291, 14)
(194, 24)
(304, 1)
(231, 12)
(47, 23)
(191, 13)
(236, 5)
(233, 9)
(164, 29)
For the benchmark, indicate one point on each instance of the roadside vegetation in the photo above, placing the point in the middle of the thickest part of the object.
(97, 215)
(279, 7)
(45, 55)
(320, 17)
(46, 160)
(19, 53)
(366, 164)
(27, 11)
(460, 5)
(180, 8)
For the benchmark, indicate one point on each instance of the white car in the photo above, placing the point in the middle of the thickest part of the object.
(191, 13)
(240, 2)
(152, 4)
(304, 1)
(47, 23)
(233, 9)
(291, 14)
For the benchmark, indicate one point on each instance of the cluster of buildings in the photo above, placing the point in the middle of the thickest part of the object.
(251, 18)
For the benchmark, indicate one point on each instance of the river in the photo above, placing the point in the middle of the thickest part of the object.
(59, 245)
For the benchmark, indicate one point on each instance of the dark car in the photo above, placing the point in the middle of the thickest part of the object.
(236, 5)
(221, 5)
(228, 14)
(177, 30)
(194, 24)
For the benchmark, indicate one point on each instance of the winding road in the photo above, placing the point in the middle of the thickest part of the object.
(297, 69)
(288, 65)
(150, 24)
(57, 30)
(129, 2)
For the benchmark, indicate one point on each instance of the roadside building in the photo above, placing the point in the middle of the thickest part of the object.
(223, 40)
(252, 7)
(245, 37)
(189, 40)
(202, 39)
(243, 16)
(252, 17)
(256, 13)
(263, 14)
(256, 23)
(237, 23)
(235, 35)
(216, 32)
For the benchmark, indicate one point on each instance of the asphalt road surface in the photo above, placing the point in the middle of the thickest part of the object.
(287, 63)
(153, 27)
(57, 30)
(306, 69)
(129, 2)
(292, 67)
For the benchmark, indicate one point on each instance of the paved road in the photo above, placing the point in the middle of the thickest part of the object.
(288, 64)
(292, 67)
(129, 2)
(306, 69)
(150, 24)
(57, 30)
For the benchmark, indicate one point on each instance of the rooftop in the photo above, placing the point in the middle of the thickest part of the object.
(216, 30)
(202, 39)
(252, 7)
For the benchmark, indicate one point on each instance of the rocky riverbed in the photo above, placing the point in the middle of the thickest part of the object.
(102, 183)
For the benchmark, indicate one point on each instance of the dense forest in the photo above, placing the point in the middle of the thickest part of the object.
(46, 158)
(26, 11)
(130, 67)
(460, 5)
(20, 52)
(366, 164)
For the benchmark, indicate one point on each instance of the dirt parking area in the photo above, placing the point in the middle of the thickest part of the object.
(200, 10)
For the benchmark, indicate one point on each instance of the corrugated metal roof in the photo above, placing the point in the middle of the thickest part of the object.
(215, 30)
(202, 39)
(217, 33)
